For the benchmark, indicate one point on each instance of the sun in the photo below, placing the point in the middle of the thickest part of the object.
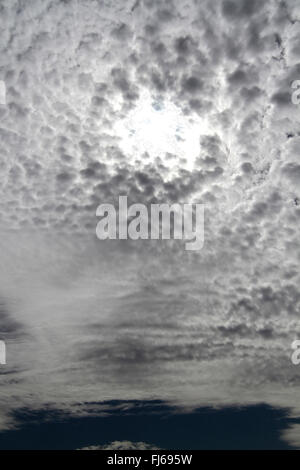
(159, 128)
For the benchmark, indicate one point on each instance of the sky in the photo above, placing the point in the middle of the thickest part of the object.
(164, 102)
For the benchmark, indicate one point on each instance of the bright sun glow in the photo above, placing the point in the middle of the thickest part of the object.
(159, 127)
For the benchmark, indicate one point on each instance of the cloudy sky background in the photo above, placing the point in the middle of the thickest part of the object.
(162, 101)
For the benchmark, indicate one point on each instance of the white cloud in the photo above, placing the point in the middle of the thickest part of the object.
(122, 445)
(84, 318)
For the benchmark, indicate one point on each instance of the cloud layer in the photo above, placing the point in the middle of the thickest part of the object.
(85, 320)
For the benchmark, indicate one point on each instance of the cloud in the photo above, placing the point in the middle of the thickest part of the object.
(85, 318)
(122, 445)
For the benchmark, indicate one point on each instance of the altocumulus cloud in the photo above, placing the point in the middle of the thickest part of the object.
(83, 319)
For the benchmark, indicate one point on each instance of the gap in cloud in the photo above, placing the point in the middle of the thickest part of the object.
(156, 127)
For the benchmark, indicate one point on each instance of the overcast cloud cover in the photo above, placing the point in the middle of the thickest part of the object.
(86, 320)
